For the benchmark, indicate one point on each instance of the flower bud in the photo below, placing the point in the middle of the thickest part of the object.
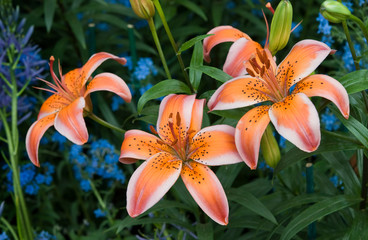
(270, 148)
(334, 11)
(281, 26)
(143, 8)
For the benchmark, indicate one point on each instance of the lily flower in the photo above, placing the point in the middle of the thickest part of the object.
(291, 112)
(181, 149)
(70, 102)
(240, 51)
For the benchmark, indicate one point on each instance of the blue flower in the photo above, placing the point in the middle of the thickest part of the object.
(116, 103)
(3, 236)
(297, 30)
(45, 236)
(330, 121)
(349, 5)
(324, 26)
(60, 139)
(144, 68)
(99, 213)
(85, 185)
(361, 2)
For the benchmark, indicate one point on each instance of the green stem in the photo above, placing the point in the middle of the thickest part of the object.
(172, 41)
(10, 228)
(104, 123)
(158, 46)
(361, 25)
(133, 49)
(350, 43)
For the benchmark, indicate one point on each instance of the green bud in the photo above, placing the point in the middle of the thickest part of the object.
(270, 148)
(281, 26)
(334, 11)
(143, 8)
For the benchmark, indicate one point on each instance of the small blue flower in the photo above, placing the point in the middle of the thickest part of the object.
(85, 185)
(3, 236)
(324, 26)
(116, 103)
(99, 213)
(297, 30)
(349, 5)
(45, 236)
(60, 139)
(40, 178)
(330, 121)
(361, 2)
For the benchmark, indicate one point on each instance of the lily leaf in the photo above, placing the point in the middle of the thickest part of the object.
(49, 10)
(355, 81)
(197, 60)
(190, 43)
(213, 72)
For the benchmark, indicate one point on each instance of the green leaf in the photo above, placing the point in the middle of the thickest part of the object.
(354, 126)
(355, 81)
(188, 44)
(49, 10)
(329, 143)
(317, 211)
(249, 201)
(205, 231)
(227, 174)
(77, 28)
(213, 72)
(161, 89)
(197, 60)
(297, 202)
(194, 8)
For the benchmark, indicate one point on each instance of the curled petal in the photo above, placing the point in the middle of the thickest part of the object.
(175, 117)
(296, 119)
(302, 60)
(109, 82)
(221, 34)
(149, 183)
(69, 122)
(327, 87)
(215, 145)
(140, 145)
(239, 92)
(96, 60)
(248, 134)
(207, 191)
(197, 115)
(239, 53)
(52, 105)
(34, 135)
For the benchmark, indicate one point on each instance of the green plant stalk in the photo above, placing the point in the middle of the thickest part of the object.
(23, 222)
(173, 43)
(10, 228)
(360, 24)
(104, 123)
(363, 203)
(158, 46)
(312, 232)
(133, 49)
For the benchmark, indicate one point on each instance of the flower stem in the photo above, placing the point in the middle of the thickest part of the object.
(104, 123)
(350, 43)
(361, 25)
(158, 46)
(172, 41)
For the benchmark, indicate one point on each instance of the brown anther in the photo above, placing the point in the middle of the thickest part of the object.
(160, 142)
(250, 72)
(170, 115)
(153, 130)
(178, 119)
(260, 56)
(263, 70)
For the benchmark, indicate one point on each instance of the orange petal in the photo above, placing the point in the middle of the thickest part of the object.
(238, 92)
(52, 105)
(69, 122)
(302, 60)
(221, 34)
(74, 82)
(296, 119)
(149, 183)
(207, 191)
(140, 145)
(215, 145)
(239, 53)
(248, 134)
(197, 115)
(34, 135)
(96, 60)
(175, 117)
(327, 87)
(109, 82)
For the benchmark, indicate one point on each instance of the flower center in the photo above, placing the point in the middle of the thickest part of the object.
(260, 67)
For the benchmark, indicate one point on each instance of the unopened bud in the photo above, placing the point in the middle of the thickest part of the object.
(334, 11)
(281, 26)
(270, 148)
(143, 8)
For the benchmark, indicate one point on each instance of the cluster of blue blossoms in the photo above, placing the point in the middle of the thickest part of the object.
(42, 236)
(14, 37)
(100, 160)
(31, 177)
(140, 78)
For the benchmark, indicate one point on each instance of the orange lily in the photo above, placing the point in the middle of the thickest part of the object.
(292, 112)
(181, 149)
(70, 101)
